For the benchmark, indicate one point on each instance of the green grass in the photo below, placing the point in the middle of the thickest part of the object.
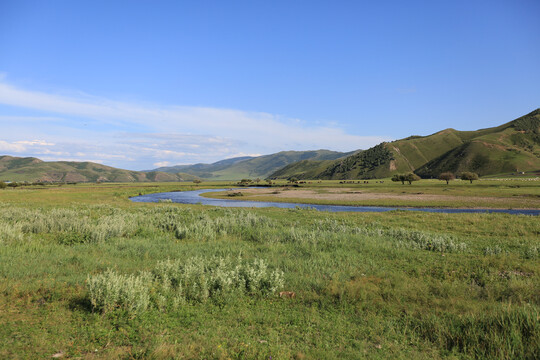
(396, 285)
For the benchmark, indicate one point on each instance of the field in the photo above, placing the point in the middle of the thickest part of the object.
(85, 273)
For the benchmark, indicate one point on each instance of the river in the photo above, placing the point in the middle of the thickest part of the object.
(194, 197)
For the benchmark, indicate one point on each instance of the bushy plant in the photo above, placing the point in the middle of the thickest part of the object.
(493, 250)
(174, 282)
(426, 241)
(109, 291)
(532, 252)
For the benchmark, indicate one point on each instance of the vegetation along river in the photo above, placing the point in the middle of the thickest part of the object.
(193, 197)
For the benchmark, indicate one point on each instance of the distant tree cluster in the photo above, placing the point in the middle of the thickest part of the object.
(528, 123)
(410, 177)
(448, 176)
(245, 182)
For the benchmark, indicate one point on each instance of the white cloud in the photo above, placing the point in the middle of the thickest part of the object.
(34, 142)
(7, 146)
(161, 164)
(241, 154)
(137, 136)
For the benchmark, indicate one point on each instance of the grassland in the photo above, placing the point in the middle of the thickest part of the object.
(85, 273)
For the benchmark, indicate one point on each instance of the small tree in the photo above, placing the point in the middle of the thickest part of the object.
(269, 181)
(2, 185)
(293, 180)
(469, 176)
(399, 177)
(446, 176)
(410, 177)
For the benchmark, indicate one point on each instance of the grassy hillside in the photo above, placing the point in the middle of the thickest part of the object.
(32, 170)
(203, 168)
(511, 147)
(304, 169)
(257, 167)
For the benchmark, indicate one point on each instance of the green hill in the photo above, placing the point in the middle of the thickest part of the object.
(511, 147)
(35, 170)
(254, 167)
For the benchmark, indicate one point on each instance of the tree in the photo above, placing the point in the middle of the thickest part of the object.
(469, 176)
(446, 176)
(2, 185)
(410, 177)
(399, 177)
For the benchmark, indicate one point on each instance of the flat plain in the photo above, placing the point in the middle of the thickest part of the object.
(86, 273)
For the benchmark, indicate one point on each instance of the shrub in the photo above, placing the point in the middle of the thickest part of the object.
(109, 291)
(174, 282)
(426, 241)
(532, 252)
(493, 250)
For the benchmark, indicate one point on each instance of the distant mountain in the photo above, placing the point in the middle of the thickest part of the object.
(253, 167)
(35, 170)
(511, 147)
(203, 169)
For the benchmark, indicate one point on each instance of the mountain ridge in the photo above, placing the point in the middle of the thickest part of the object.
(256, 167)
(32, 169)
(510, 147)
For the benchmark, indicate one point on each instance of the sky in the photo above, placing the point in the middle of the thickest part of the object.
(142, 84)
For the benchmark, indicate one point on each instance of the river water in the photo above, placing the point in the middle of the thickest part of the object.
(193, 197)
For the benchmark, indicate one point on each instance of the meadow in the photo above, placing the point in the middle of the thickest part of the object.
(85, 273)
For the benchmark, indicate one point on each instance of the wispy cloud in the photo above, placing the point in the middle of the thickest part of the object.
(137, 136)
(161, 164)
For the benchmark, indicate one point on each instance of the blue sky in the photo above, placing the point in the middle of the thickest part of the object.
(141, 84)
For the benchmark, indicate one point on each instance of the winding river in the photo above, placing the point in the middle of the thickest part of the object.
(194, 197)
